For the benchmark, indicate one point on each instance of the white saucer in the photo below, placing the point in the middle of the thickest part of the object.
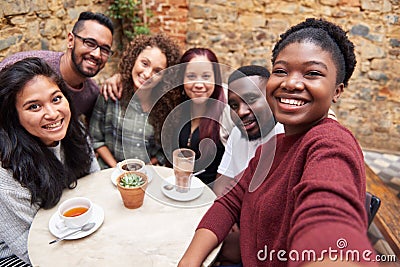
(116, 173)
(97, 217)
(196, 189)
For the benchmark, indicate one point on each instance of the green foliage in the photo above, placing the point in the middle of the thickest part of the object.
(131, 180)
(131, 16)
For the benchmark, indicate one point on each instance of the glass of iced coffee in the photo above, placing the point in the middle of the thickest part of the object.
(183, 163)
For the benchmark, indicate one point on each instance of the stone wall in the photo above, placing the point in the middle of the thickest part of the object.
(44, 25)
(244, 32)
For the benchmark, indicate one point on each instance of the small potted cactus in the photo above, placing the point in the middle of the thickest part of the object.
(132, 186)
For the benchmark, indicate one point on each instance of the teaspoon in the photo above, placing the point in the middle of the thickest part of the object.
(171, 186)
(84, 228)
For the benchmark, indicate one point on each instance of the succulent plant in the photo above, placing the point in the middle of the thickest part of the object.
(131, 180)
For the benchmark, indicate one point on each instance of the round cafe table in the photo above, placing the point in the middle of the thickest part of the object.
(156, 234)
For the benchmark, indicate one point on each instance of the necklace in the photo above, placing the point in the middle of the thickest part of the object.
(189, 139)
(194, 125)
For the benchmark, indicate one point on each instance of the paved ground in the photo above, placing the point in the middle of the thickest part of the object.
(387, 167)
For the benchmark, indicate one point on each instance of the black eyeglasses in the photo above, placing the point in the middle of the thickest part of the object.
(92, 44)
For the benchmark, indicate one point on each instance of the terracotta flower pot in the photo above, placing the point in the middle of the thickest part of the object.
(132, 197)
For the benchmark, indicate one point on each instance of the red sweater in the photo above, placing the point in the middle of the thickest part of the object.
(311, 200)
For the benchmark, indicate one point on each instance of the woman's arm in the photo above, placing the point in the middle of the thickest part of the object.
(222, 184)
(203, 242)
(217, 222)
(105, 154)
(97, 132)
(16, 216)
(330, 197)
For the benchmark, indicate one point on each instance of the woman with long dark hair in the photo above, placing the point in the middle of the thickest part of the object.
(198, 115)
(44, 149)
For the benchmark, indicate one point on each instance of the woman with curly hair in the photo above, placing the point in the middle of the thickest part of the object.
(312, 199)
(131, 126)
(44, 149)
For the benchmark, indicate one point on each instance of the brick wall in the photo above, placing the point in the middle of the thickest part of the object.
(169, 16)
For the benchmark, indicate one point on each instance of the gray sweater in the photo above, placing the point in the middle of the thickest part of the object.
(17, 213)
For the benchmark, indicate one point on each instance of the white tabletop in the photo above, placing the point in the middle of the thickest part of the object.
(156, 234)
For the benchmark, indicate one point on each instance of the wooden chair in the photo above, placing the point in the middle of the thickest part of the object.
(387, 219)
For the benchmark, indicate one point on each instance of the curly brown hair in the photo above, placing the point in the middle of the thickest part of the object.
(167, 98)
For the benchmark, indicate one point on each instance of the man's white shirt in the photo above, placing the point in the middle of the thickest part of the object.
(239, 151)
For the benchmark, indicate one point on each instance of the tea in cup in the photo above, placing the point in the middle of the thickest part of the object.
(131, 165)
(74, 212)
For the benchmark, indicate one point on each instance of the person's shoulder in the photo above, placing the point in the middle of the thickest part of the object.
(332, 129)
(102, 102)
(4, 172)
(236, 137)
(35, 53)
(236, 132)
(48, 56)
(92, 86)
(279, 128)
(329, 124)
(7, 180)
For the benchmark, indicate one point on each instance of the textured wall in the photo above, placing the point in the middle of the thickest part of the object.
(169, 16)
(243, 32)
(44, 25)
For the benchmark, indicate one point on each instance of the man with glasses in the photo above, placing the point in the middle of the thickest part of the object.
(88, 49)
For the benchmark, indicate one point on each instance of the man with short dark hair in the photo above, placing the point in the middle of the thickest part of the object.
(254, 122)
(254, 125)
(88, 49)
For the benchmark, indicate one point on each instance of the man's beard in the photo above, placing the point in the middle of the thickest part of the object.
(250, 137)
(79, 66)
(254, 137)
(268, 127)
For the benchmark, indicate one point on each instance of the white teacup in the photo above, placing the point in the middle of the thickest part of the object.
(131, 165)
(74, 213)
